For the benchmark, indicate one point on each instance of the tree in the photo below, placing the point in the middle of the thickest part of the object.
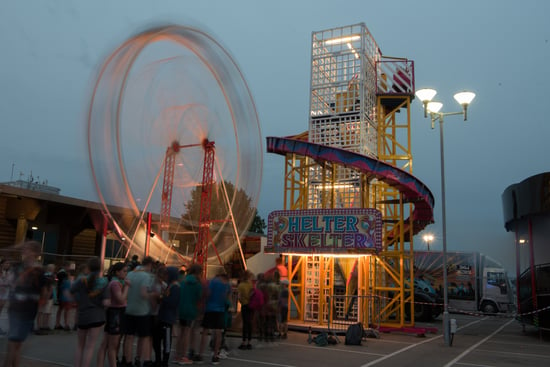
(258, 224)
(241, 206)
(221, 228)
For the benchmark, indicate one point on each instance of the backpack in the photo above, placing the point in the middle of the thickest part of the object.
(354, 334)
(256, 299)
(321, 340)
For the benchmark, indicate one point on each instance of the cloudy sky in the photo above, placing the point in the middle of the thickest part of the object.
(51, 50)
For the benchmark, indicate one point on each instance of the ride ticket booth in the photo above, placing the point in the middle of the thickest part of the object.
(329, 256)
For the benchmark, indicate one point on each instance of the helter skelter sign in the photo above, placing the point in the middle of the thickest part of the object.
(324, 231)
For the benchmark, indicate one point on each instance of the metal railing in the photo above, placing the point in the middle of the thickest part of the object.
(395, 76)
(345, 310)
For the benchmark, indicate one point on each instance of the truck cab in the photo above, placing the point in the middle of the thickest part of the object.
(496, 294)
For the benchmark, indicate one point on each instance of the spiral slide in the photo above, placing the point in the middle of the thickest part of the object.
(413, 190)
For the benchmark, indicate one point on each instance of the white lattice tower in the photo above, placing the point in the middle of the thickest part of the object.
(342, 107)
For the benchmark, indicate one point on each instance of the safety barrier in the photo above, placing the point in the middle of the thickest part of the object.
(345, 310)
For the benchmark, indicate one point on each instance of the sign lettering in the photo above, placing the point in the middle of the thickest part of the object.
(324, 231)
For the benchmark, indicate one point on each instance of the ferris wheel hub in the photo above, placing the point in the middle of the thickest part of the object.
(175, 146)
(206, 144)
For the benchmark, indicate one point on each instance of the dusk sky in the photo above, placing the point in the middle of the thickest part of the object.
(499, 49)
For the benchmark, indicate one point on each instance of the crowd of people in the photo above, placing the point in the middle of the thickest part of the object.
(143, 302)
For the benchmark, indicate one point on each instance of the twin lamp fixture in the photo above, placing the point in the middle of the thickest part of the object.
(426, 95)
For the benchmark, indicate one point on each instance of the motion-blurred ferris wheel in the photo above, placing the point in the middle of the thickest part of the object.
(172, 129)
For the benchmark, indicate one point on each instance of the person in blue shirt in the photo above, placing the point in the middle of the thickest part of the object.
(219, 291)
(27, 292)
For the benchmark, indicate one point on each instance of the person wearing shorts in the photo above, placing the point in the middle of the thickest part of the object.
(90, 292)
(190, 296)
(29, 290)
(137, 317)
(214, 313)
(138, 325)
(117, 291)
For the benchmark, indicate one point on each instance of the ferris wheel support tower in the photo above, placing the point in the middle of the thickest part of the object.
(200, 255)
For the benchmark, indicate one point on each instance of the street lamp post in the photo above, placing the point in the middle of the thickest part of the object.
(464, 99)
(428, 238)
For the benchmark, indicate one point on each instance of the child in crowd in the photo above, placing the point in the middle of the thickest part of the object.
(168, 315)
(45, 309)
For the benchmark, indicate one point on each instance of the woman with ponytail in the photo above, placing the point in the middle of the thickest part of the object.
(90, 293)
(117, 294)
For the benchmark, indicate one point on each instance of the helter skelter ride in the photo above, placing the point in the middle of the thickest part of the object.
(172, 129)
(354, 160)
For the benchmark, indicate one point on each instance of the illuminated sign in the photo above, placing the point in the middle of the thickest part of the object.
(331, 231)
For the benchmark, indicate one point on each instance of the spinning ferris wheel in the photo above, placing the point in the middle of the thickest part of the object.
(172, 129)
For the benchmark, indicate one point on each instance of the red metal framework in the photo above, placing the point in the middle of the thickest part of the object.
(201, 249)
(200, 255)
(168, 184)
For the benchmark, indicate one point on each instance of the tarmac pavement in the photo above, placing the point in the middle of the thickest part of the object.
(479, 341)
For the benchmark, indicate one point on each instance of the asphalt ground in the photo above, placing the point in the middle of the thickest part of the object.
(479, 341)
